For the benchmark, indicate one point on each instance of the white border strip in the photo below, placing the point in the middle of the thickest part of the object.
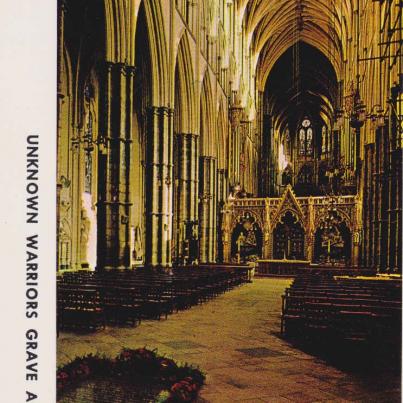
(27, 106)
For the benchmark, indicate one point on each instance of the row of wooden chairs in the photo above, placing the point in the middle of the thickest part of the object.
(90, 300)
(317, 307)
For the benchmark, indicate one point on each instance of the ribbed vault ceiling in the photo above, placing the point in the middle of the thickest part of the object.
(320, 27)
(310, 91)
(274, 25)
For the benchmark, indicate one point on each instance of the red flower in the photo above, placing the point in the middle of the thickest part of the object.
(62, 375)
(132, 362)
(183, 390)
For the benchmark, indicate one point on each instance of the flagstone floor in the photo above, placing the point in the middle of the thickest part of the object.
(235, 340)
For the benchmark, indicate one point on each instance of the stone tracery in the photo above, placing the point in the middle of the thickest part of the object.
(308, 213)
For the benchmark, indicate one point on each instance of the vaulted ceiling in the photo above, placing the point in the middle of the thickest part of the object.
(307, 90)
(321, 28)
(273, 26)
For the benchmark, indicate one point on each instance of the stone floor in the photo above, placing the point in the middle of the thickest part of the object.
(235, 340)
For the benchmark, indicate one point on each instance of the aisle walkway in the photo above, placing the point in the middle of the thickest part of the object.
(234, 339)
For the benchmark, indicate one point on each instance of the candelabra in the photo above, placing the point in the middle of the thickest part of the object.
(358, 114)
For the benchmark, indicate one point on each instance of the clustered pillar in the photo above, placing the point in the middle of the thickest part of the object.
(207, 209)
(187, 194)
(159, 187)
(394, 262)
(236, 113)
(382, 246)
(114, 166)
(222, 193)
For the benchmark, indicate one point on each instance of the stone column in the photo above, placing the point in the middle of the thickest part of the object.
(159, 187)
(265, 151)
(187, 186)
(213, 211)
(247, 182)
(207, 209)
(367, 210)
(221, 198)
(384, 205)
(371, 208)
(377, 186)
(394, 208)
(226, 232)
(114, 199)
(76, 191)
(235, 116)
(398, 214)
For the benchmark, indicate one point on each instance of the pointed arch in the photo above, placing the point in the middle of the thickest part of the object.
(121, 20)
(65, 73)
(222, 135)
(159, 53)
(208, 138)
(184, 88)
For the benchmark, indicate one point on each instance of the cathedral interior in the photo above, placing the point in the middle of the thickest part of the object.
(230, 134)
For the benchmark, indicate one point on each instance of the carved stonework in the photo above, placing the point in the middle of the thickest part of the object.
(288, 203)
(310, 212)
(236, 113)
(64, 238)
(84, 235)
(138, 245)
(345, 207)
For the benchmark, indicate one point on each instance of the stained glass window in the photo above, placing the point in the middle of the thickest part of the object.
(309, 148)
(302, 142)
(306, 138)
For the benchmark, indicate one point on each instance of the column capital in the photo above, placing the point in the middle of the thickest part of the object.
(235, 115)
(161, 110)
(106, 66)
(130, 70)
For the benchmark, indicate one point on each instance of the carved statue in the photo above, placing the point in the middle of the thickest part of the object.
(84, 235)
(251, 237)
(138, 244)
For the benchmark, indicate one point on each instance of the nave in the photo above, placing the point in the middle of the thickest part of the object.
(235, 340)
(227, 131)
(235, 132)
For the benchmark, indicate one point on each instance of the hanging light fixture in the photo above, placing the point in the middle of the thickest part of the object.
(299, 26)
(377, 116)
(87, 138)
(358, 114)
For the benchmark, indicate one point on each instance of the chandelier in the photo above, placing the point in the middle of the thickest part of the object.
(358, 114)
